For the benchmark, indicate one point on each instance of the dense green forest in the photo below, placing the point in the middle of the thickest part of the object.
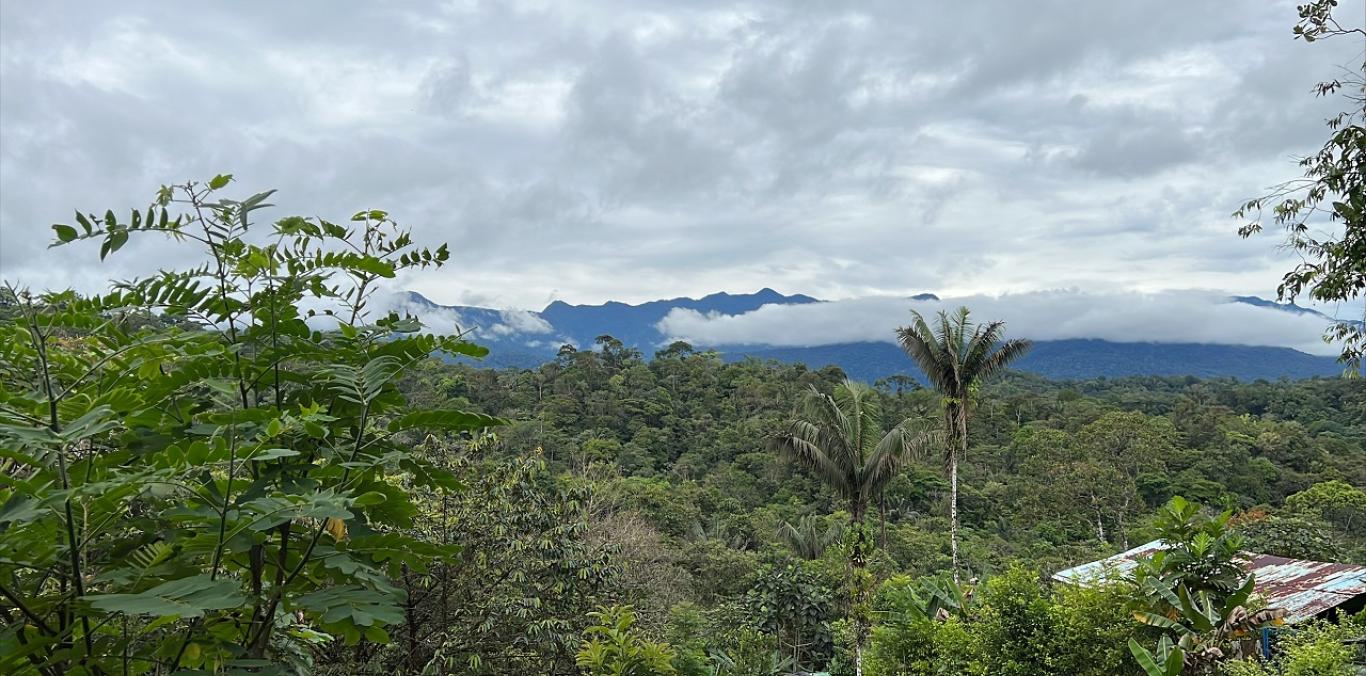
(238, 468)
(679, 439)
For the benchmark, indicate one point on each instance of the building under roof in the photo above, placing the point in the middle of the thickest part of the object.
(1303, 589)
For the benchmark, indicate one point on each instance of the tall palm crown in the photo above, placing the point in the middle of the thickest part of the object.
(841, 438)
(956, 355)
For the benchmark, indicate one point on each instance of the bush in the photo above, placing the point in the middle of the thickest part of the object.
(615, 647)
(1018, 626)
(1015, 626)
(1314, 649)
(1090, 631)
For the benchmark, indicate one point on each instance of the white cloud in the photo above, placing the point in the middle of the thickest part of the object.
(476, 322)
(520, 321)
(1166, 317)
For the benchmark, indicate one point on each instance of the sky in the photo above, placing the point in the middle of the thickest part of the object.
(594, 151)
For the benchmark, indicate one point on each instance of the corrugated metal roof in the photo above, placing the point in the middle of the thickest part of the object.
(1302, 588)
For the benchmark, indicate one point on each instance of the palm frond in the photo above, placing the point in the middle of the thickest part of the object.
(905, 442)
(920, 342)
(980, 346)
(841, 439)
(802, 443)
(997, 361)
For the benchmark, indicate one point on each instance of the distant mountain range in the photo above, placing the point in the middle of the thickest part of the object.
(519, 338)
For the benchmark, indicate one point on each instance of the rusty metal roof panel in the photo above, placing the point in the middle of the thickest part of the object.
(1302, 588)
(1305, 605)
(1116, 566)
(1305, 588)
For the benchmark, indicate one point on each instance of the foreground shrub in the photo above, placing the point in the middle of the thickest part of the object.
(1016, 625)
(201, 472)
(614, 647)
(1314, 649)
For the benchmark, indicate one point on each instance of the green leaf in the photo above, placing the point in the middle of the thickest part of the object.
(117, 238)
(351, 605)
(65, 233)
(1145, 659)
(219, 181)
(450, 421)
(1176, 660)
(21, 509)
(274, 454)
(369, 498)
(375, 266)
(1239, 597)
(186, 597)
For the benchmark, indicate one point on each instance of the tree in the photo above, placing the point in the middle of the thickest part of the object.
(809, 537)
(842, 440)
(793, 604)
(957, 356)
(1126, 445)
(1294, 537)
(1336, 502)
(195, 476)
(1323, 213)
(516, 597)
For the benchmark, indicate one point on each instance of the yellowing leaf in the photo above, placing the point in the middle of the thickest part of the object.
(336, 528)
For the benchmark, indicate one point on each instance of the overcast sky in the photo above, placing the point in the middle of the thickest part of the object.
(590, 151)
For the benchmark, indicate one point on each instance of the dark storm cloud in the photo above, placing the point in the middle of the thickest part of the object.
(621, 150)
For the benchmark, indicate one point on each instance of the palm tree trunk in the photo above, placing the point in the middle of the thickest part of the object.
(858, 593)
(953, 509)
(958, 432)
(882, 517)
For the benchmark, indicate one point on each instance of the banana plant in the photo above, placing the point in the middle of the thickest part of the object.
(1168, 661)
(1201, 623)
(925, 599)
(773, 664)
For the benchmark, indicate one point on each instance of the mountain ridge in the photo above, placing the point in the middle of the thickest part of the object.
(526, 338)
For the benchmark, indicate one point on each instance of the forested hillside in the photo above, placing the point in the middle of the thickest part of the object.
(198, 478)
(702, 519)
(1058, 473)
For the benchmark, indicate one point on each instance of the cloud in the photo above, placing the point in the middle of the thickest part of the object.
(604, 150)
(477, 323)
(521, 321)
(1166, 317)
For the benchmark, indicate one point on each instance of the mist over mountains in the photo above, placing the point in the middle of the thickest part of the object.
(1077, 335)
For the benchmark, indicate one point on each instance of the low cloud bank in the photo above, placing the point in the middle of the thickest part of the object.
(1166, 317)
(480, 323)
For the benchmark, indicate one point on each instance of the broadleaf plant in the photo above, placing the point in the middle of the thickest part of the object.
(201, 466)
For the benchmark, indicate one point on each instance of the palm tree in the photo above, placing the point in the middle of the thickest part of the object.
(956, 356)
(810, 536)
(841, 439)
